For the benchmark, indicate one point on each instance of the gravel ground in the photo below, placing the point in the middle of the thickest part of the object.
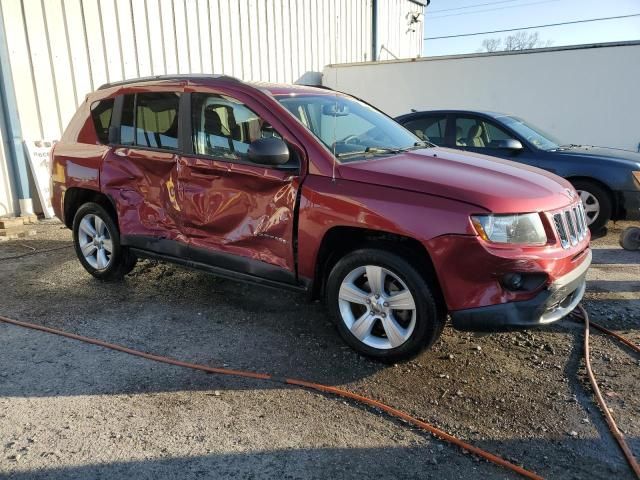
(71, 410)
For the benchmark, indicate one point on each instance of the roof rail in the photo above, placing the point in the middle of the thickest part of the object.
(185, 76)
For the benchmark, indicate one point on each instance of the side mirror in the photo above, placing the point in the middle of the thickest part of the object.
(268, 151)
(510, 144)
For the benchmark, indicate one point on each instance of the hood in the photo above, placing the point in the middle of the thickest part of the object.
(497, 185)
(624, 158)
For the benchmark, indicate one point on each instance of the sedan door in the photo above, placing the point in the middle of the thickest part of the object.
(481, 135)
(236, 214)
(429, 127)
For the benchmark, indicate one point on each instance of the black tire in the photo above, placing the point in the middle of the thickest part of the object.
(121, 261)
(429, 320)
(630, 238)
(604, 199)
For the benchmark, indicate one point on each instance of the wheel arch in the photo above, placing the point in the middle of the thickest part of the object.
(75, 197)
(616, 203)
(338, 241)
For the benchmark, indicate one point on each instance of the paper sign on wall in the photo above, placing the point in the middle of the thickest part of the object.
(38, 152)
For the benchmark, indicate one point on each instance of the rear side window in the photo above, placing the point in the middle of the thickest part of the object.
(150, 120)
(101, 114)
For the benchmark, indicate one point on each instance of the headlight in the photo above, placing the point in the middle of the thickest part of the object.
(523, 228)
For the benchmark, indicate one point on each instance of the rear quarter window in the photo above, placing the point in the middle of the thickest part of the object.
(101, 114)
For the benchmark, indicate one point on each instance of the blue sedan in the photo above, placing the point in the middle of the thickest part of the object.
(607, 179)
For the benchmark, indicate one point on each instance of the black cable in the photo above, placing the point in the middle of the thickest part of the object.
(533, 26)
(470, 6)
(490, 9)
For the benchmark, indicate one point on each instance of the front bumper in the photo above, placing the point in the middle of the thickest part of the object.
(550, 305)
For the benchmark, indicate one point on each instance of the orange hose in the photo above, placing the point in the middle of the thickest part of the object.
(618, 337)
(290, 381)
(577, 314)
(615, 431)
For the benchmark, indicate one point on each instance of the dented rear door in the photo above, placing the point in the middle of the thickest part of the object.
(228, 205)
(139, 172)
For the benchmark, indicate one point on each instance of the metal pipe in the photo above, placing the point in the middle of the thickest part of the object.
(12, 134)
(374, 30)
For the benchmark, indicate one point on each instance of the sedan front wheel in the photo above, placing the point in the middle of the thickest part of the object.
(597, 203)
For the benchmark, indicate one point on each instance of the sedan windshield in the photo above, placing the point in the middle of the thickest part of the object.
(351, 129)
(534, 135)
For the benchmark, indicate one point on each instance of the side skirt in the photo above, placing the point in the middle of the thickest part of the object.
(220, 264)
(220, 272)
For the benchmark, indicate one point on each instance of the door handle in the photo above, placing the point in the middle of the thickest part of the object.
(121, 152)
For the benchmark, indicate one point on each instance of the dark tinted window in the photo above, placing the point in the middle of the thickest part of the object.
(101, 114)
(431, 129)
(150, 120)
(224, 127)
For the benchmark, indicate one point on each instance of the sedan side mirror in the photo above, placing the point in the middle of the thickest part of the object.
(268, 151)
(510, 144)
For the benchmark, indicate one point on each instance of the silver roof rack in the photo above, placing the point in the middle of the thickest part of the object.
(186, 76)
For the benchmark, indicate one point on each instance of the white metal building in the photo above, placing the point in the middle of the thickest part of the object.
(53, 52)
(584, 94)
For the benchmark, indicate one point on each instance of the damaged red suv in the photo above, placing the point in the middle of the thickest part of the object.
(312, 190)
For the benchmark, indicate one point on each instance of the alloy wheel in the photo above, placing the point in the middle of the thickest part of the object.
(377, 307)
(591, 206)
(95, 241)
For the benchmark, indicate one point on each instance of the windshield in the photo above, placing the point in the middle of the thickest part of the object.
(534, 135)
(351, 129)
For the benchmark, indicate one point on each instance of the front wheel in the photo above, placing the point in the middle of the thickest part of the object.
(97, 243)
(597, 203)
(383, 307)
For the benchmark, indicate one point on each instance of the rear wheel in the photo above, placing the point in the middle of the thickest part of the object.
(597, 203)
(383, 307)
(97, 243)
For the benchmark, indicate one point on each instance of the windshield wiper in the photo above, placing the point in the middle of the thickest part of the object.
(371, 150)
(570, 145)
(383, 150)
(420, 144)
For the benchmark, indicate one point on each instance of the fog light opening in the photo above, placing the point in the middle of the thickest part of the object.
(513, 281)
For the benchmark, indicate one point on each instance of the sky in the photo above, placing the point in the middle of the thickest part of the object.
(452, 17)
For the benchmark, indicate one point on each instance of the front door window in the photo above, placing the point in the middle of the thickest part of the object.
(224, 128)
(430, 129)
(476, 132)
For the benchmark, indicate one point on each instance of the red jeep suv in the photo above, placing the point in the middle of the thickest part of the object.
(313, 190)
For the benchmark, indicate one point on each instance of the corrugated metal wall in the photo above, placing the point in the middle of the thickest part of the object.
(62, 49)
(396, 33)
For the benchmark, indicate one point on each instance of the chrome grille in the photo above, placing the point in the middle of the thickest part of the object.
(570, 225)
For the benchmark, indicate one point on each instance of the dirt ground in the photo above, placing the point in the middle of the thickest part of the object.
(71, 410)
